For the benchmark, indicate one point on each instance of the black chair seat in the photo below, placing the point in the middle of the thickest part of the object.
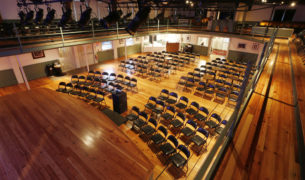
(189, 85)
(75, 93)
(90, 97)
(219, 130)
(157, 138)
(148, 130)
(171, 101)
(198, 140)
(157, 110)
(200, 117)
(211, 124)
(83, 94)
(200, 88)
(150, 106)
(178, 160)
(187, 131)
(176, 123)
(233, 99)
(131, 117)
(61, 90)
(167, 149)
(191, 111)
(167, 116)
(139, 123)
(181, 106)
(163, 98)
(99, 99)
(209, 92)
(220, 95)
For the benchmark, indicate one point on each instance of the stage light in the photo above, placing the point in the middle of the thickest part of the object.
(29, 17)
(112, 17)
(139, 19)
(66, 17)
(39, 16)
(126, 16)
(292, 4)
(21, 15)
(85, 17)
(50, 16)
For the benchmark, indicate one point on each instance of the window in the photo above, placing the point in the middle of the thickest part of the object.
(220, 43)
(203, 41)
(129, 42)
(106, 45)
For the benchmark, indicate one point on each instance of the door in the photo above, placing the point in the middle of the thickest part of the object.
(219, 47)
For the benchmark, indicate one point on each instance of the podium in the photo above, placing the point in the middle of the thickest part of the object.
(119, 99)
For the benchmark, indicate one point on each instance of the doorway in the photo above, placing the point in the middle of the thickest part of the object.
(219, 47)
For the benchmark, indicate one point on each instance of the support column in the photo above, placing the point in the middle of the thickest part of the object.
(23, 74)
(75, 11)
(86, 58)
(126, 56)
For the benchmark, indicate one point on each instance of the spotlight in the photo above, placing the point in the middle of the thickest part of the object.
(66, 17)
(29, 17)
(21, 15)
(39, 16)
(85, 17)
(139, 19)
(292, 4)
(112, 17)
(50, 16)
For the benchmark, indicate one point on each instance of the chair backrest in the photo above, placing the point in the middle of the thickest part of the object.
(120, 76)
(91, 72)
(222, 89)
(127, 78)
(134, 80)
(81, 77)
(204, 132)
(224, 122)
(181, 116)
(211, 86)
(62, 84)
(143, 115)
(164, 91)
(216, 116)
(97, 73)
(135, 109)
(192, 123)
(152, 98)
(96, 79)
(153, 122)
(184, 99)
(113, 74)
(163, 130)
(203, 109)
(173, 95)
(160, 103)
(171, 109)
(173, 140)
(100, 93)
(74, 78)
(69, 85)
(202, 84)
(105, 73)
(195, 105)
(184, 150)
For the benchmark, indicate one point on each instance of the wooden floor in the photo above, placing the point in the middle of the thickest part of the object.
(273, 156)
(147, 88)
(270, 153)
(43, 137)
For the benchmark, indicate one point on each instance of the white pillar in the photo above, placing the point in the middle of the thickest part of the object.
(125, 50)
(86, 58)
(23, 74)
(75, 11)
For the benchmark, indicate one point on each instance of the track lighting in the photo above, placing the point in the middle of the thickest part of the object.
(85, 17)
(112, 17)
(39, 16)
(50, 16)
(139, 19)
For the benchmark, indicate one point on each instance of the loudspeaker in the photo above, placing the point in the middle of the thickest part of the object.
(119, 99)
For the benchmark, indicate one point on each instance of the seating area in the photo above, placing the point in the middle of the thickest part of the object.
(175, 128)
(96, 85)
(218, 80)
(157, 65)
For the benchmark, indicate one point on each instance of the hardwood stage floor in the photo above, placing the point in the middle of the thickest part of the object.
(147, 88)
(274, 155)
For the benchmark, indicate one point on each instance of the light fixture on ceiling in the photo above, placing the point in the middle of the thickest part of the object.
(50, 16)
(85, 17)
(113, 16)
(66, 16)
(138, 20)
(292, 4)
(39, 16)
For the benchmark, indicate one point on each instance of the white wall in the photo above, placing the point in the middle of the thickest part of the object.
(234, 46)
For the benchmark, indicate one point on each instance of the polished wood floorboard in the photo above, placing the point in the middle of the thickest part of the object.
(275, 154)
(48, 135)
(146, 88)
